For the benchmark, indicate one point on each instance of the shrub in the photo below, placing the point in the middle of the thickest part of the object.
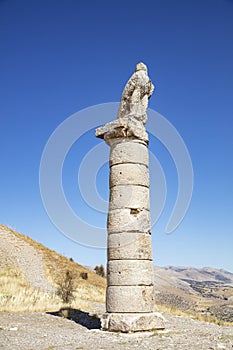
(84, 275)
(99, 270)
(65, 289)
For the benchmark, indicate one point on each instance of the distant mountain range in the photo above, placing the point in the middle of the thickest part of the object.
(186, 277)
(204, 290)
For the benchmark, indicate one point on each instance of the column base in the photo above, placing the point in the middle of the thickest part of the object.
(132, 322)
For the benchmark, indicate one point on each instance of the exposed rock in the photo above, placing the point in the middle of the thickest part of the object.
(18, 253)
(132, 322)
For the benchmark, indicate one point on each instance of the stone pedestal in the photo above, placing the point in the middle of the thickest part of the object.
(130, 304)
(132, 322)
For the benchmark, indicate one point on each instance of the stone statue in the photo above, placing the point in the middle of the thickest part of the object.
(138, 90)
(132, 113)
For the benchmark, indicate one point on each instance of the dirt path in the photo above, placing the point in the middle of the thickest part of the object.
(40, 331)
(24, 256)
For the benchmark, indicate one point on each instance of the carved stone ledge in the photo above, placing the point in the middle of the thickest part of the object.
(122, 127)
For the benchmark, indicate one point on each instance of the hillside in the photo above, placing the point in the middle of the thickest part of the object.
(191, 279)
(206, 291)
(30, 273)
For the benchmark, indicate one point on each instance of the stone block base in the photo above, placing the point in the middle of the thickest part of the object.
(132, 322)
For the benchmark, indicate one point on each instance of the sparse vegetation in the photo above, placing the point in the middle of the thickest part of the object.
(66, 289)
(172, 310)
(84, 275)
(17, 295)
(227, 336)
(56, 264)
(99, 270)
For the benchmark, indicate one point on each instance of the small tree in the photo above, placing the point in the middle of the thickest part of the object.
(99, 270)
(65, 289)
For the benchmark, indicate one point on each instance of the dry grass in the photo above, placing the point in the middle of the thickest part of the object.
(16, 294)
(172, 310)
(55, 264)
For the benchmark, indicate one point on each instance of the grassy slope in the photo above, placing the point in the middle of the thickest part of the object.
(17, 295)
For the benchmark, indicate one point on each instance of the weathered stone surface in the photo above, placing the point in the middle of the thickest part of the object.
(132, 322)
(130, 270)
(127, 220)
(132, 111)
(126, 272)
(128, 127)
(129, 151)
(138, 90)
(129, 245)
(130, 299)
(129, 197)
(129, 174)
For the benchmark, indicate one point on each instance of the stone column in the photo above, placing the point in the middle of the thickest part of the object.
(130, 304)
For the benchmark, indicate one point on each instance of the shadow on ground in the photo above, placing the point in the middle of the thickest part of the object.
(80, 317)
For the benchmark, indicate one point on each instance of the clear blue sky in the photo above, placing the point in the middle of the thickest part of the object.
(60, 56)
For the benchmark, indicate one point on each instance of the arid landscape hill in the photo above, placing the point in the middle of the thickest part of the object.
(193, 280)
(197, 274)
(30, 274)
(207, 291)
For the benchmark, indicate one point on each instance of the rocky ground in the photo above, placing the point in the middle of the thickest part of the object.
(16, 252)
(43, 331)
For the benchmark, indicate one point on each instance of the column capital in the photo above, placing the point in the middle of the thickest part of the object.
(128, 127)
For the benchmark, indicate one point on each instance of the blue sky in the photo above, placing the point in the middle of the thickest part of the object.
(58, 57)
